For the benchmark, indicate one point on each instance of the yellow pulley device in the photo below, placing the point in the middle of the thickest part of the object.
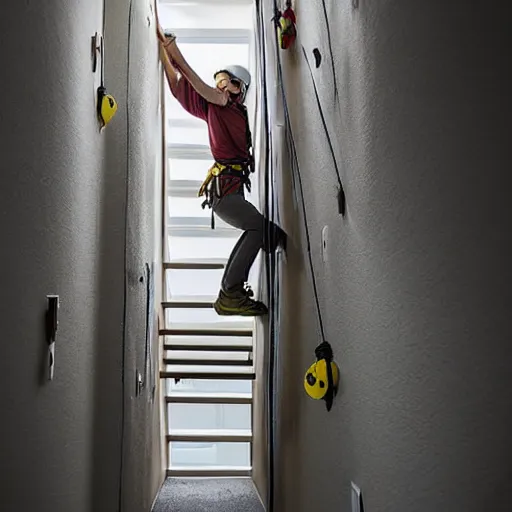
(322, 378)
(106, 103)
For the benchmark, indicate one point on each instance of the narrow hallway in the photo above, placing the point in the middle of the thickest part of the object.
(402, 104)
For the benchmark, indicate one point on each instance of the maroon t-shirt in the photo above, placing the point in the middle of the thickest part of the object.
(226, 125)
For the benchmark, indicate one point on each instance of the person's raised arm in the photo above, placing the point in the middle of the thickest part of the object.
(174, 56)
(210, 94)
(170, 73)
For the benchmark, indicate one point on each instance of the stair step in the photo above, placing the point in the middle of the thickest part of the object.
(209, 398)
(210, 436)
(217, 368)
(195, 231)
(208, 375)
(210, 472)
(206, 341)
(198, 302)
(196, 264)
(180, 331)
(188, 355)
(207, 362)
(207, 348)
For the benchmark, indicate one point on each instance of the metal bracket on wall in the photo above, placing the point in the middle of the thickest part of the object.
(96, 48)
(139, 384)
(52, 323)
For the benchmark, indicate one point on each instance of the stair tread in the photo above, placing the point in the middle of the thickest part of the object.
(210, 432)
(207, 375)
(191, 298)
(182, 397)
(196, 264)
(208, 369)
(230, 436)
(206, 363)
(175, 347)
(210, 355)
(208, 471)
(190, 301)
(209, 340)
(205, 331)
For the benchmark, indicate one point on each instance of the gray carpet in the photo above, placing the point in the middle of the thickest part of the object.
(208, 495)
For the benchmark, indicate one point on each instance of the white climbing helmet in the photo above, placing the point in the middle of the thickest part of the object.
(240, 73)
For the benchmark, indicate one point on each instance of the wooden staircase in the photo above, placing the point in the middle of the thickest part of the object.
(216, 357)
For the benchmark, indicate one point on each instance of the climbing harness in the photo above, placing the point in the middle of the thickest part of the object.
(286, 26)
(228, 176)
(106, 104)
(223, 179)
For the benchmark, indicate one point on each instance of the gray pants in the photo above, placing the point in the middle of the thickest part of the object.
(258, 233)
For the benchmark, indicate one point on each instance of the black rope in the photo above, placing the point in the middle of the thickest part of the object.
(269, 394)
(271, 267)
(341, 191)
(125, 294)
(300, 197)
(329, 39)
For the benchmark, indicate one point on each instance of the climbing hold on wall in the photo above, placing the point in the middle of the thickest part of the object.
(322, 378)
(286, 26)
(318, 57)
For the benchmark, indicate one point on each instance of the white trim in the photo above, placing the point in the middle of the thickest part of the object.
(209, 436)
(205, 2)
(209, 398)
(210, 472)
(212, 35)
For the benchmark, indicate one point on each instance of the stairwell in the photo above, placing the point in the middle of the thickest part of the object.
(207, 362)
(206, 365)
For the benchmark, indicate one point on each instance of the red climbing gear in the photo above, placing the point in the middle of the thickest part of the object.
(286, 26)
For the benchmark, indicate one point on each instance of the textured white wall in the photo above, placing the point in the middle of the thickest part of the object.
(50, 194)
(415, 291)
(64, 189)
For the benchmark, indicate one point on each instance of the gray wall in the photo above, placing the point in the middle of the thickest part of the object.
(50, 194)
(415, 291)
(63, 190)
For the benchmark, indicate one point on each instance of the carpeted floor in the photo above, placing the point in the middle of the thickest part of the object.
(208, 495)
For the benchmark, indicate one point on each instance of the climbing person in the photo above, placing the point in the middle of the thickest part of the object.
(222, 108)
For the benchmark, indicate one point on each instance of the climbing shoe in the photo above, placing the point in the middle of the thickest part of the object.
(237, 302)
